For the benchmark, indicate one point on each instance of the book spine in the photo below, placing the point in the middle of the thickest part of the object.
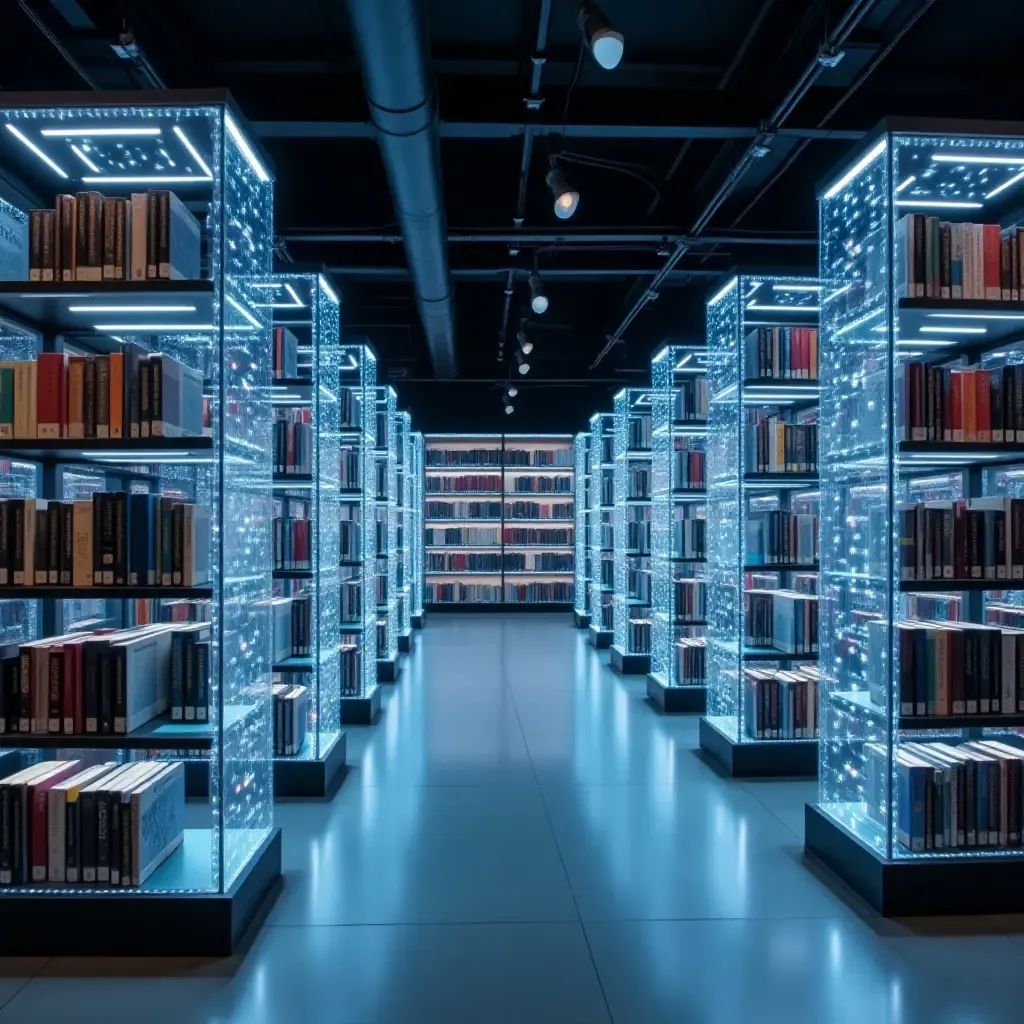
(121, 538)
(35, 245)
(109, 241)
(156, 389)
(152, 236)
(164, 246)
(102, 396)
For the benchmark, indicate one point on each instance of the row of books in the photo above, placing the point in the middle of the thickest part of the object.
(539, 457)
(981, 538)
(638, 536)
(638, 636)
(785, 620)
(690, 400)
(772, 445)
(349, 534)
(105, 825)
(464, 593)
(463, 456)
(638, 482)
(538, 561)
(957, 404)
(293, 440)
(90, 237)
(284, 362)
(538, 593)
(474, 561)
(453, 536)
(537, 535)
(292, 626)
(781, 537)
(290, 710)
(462, 509)
(688, 469)
(107, 682)
(464, 482)
(781, 704)
(781, 353)
(541, 485)
(689, 538)
(351, 600)
(380, 437)
(937, 259)
(351, 670)
(638, 584)
(607, 494)
(293, 547)
(801, 582)
(538, 510)
(950, 796)
(349, 474)
(350, 408)
(130, 393)
(638, 433)
(690, 601)
(111, 539)
(690, 655)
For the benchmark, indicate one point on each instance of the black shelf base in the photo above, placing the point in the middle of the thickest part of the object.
(676, 700)
(361, 710)
(310, 778)
(142, 923)
(580, 620)
(598, 638)
(630, 664)
(418, 621)
(406, 642)
(915, 888)
(762, 759)
(501, 606)
(388, 669)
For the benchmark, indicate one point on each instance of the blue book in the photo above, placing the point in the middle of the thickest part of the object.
(921, 662)
(912, 777)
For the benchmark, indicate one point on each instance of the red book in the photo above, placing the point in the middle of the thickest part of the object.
(982, 396)
(956, 404)
(992, 282)
(38, 825)
(51, 413)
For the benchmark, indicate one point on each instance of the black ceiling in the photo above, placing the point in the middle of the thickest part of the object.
(700, 82)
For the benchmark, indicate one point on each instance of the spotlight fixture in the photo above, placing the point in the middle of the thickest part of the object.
(524, 366)
(511, 391)
(538, 300)
(605, 42)
(524, 343)
(566, 197)
(509, 409)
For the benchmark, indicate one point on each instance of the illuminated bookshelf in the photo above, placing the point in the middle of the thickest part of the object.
(416, 520)
(581, 565)
(386, 500)
(600, 632)
(405, 562)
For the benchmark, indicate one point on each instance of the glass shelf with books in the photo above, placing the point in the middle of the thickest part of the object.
(920, 502)
(676, 682)
(762, 496)
(416, 526)
(139, 393)
(386, 523)
(632, 497)
(581, 553)
(406, 527)
(601, 631)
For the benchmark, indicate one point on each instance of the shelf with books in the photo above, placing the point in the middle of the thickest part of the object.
(600, 632)
(676, 682)
(360, 692)
(134, 364)
(418, 615)
(581, 553)
(386, 517)
(632, 459)
(762, 502)
(900, 732)
(405, 528)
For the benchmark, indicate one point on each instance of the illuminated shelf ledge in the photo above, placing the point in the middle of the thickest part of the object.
(434, 519)
(463, 572)
(132, 449)
(770, 654)
(914, 314)
(349, 563)
(580, 620)
(296, 663)
(918, 886)
(295, 382)
(295, 574)
(947, 586)
(94, 593)
(598, 637)
(781, 480)
(675, 700)
(811, 567)
(782, 383)
(539, 547)
(462, 547)
(953, 455)
(499, 606)
(698, 424)
(746, 758)
(533, 470)
(860, 702)
(518, 519)
(44, 304)
(538, 572)
(467, 494)
(350, 492)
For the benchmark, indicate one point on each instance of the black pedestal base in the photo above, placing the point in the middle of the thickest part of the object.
(676, 700)
(418, 621)
(779, 759)
(916, 888)
(580, 620)
(141, 923)
(361, 710)
(406, 642)
(630, 664)
(599, 638)
(310, 777)
(388, 670)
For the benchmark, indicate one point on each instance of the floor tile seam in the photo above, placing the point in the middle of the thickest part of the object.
(792, 831)
(551, 825)
(28, 981)
(496, 923)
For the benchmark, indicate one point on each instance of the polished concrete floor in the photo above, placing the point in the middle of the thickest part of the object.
(522, 838)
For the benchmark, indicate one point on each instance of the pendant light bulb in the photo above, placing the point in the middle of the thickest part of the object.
(566, 197)
(606, 43)
(509, 409)
(511, 391)
(538, 300)
(524, 366)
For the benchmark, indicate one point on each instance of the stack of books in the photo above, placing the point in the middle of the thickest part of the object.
(539, 457)
(542, 484)
(462, 509)
(689, 536)
(293, 549)
(781, 353)
(457, 536)
(292, 626)
(691, 661)
(291, 718)
(781, 705)
(690, 601)
(349, 477)
(472, 562)
(690, 400)
(285, 355)
(639, 434)
(538, 593)
(781, 537)
(782, 619)
(688, 468)
(293, 440)
(536, 510)
(464, 457)
(471, 482)
(538, 561)
(773, 445)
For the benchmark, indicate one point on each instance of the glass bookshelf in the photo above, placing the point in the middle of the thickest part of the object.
(582, 576)
(208, 327)
(631, 650)
(406, 526)
(600, 633)
(307, 398)
(357, 509)
(921, 338)
(679, 411)
(386, 523)
(762, 496)
(416, 528)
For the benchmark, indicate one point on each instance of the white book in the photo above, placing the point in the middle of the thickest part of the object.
(158, 820)
(139, 218)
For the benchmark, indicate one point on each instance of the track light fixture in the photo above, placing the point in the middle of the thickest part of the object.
(566, 197)
(538, 300)
(605, 42)
(511, 391)
(524, 366)
(524, 342)
(509, 408)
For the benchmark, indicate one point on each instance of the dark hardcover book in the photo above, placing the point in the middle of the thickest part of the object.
(946, 280)
(164, 227)
(995, 406)
(125, 872)
(178, 544)
(121, 538)
(152, 236)
(55, 694)
(189, 689)
(41, 549)
(92, 653)
(108, 543)
(200, 652)
(66, 559)
(46, 262)
(35, 245)
(145, 396)
(109, 245)
(69, 236)
(114, 841)
(54, 522)
(102, 396)
(119, 688)
(72, 841)
(986, 683)
(975, 543)
(102, 802)
(5, 543)
(156, 395)
(972, 686)
(957, 697)
(121, 259)
(106, 691)
(81, 234)
(89, 398)
(1018, 398)
(166, 543)
(6, 844)
(920, 255)
(178, 654)
(16, 539)
(87, 833)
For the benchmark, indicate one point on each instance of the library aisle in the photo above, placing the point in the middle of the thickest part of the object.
(522, 838)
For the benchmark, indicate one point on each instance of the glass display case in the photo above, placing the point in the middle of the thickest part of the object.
(922, 565)
(600, 633)
(140, 396)
(416, 526)
(406, 527)
(762, 497)
(386, 523)
(582, 576)
(307, 399)
(357, 510)
(679, 417)
(631, 650)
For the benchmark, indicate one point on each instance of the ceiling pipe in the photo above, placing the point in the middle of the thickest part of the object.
(58, 45)
(390, 37)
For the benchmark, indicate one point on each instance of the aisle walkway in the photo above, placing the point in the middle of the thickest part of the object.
(523, 839)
